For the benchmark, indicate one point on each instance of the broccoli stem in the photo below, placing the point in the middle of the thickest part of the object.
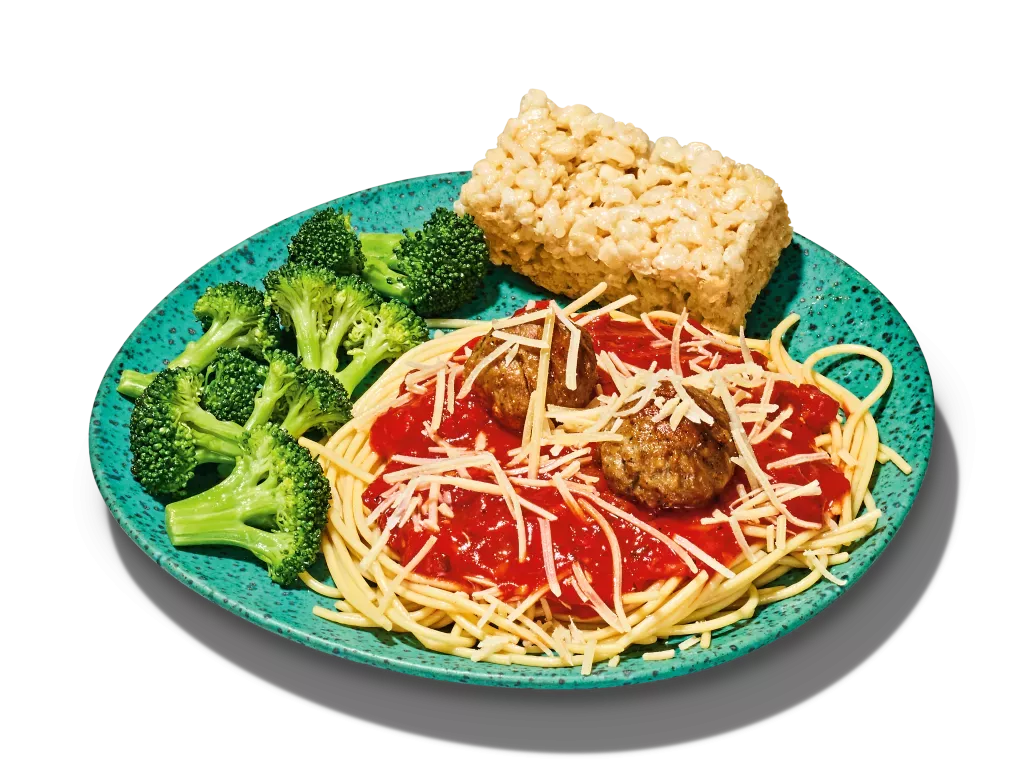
(133, 383)
(204, 350)
(266, 400)
(300, 417)
(205, 456)
(373, 351)
(379, 250)
(335, 335)
(222, 519)
(197, 352)
(384, 280)
(380, 245)
(307, 336)
(219, 438)
(223, 515)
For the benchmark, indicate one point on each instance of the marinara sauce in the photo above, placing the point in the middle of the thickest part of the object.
(481, 539)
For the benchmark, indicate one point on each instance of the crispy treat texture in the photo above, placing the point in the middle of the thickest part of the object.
(571, 198)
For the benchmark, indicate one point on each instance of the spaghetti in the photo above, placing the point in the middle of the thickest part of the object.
(383, 560)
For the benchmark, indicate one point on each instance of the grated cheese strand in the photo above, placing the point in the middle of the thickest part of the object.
(596, 602)
(676, 548)
(541, 394)
(586, 299)
(622, 301)
(435, 419)
(548, 554)
(798, 459)
(747, 357)
(658, 656)
(511, 354)
(404, 572)
(519, 339)
(482, 365)
(750, 461)
(616, 552)
(453, 373)
(677, 332)
(770, 428)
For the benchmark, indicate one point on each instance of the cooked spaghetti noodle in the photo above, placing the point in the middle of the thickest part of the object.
(373, 588)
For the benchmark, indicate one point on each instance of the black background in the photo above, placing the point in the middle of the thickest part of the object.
(883, 178)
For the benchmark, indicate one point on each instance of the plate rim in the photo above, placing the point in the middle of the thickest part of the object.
(529, 678)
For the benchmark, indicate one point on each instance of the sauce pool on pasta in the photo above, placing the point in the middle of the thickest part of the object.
(480, 540)
(445, 525)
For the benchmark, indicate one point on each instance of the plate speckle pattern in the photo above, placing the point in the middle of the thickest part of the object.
(836, 305)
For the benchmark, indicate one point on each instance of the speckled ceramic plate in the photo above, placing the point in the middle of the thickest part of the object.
(836, 304)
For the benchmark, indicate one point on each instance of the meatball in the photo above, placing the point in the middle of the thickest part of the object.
(663, 468)
(508, 387)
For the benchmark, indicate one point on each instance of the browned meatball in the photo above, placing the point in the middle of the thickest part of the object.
(508, 387)
(664, 468)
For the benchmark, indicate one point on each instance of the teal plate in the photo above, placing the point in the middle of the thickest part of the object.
(835, 302)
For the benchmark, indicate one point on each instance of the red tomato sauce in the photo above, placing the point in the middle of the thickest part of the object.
(481, 539)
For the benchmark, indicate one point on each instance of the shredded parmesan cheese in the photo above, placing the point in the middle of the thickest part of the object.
(798, 459)
(435, 419)
(586, 299)
(519, 339)
(548, 553)
(404, 572)
(677, 332)
(482, 365)
(658, 656)
(595, 600)
(613, 547)
(622, 301)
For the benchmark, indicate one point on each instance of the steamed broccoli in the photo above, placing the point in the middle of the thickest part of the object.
(274, 504)
(170, 434)
(435, 269)
(396, 330)
(317, 400)
(327, 240)
(320, 308)
(300, 399)
(355, 307)
(232, 381)
(233, 315)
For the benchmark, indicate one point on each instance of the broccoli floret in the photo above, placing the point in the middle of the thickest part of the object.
(302, 296)
(300, 399)
(232, 381)
(355, 308)
(327, 240)
(274, 503)
(397, 329)
(317, 401)
(435, 269)
(170, 434)
(320, 308)
(233, 315)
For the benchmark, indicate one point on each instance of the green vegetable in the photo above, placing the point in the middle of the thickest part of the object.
(300, 399)
(232, 381)
(170, 434)
(233, 315)
(396, 330)
(173, 431)
(435, 269)
(327, 240)
(321, 308)
(274, 504)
